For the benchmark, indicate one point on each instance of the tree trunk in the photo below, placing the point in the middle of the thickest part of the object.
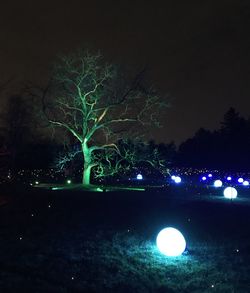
(87, 164)
(86, 175)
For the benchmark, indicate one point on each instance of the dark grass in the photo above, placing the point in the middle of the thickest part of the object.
(75, 241)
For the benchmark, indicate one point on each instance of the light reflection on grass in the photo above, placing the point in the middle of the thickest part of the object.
(128, 261)
(91, 188)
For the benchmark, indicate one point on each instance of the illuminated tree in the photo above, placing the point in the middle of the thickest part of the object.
(99, 107)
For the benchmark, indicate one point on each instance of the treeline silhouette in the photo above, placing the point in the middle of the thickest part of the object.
(227, 148)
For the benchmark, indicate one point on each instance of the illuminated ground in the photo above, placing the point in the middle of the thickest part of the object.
(75, 241)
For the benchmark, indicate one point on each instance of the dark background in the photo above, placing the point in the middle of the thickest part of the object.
(197, 52)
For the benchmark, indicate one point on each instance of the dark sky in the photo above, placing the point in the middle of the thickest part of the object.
(198, 52)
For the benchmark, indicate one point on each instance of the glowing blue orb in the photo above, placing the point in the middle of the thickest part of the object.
(245, 183)
(177, 179)
(230, 192)
(229, 178)
(217, 183)
(210, 175)
(139, 177)
(204, 178)
(240, 180)
(171, 242)
(173, 177)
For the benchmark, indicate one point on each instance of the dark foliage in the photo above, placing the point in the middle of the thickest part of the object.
(225, 148)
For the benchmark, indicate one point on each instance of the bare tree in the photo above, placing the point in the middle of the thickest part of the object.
(99, 107)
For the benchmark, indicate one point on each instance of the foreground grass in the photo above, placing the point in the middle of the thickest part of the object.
(124, 263)
(53, 245)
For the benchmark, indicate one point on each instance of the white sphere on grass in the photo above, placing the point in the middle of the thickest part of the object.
(230, 192)
(171, 242)
(177, 179)
(139, 177)
(217, 183)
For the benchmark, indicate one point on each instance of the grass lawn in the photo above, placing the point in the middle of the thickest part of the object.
(80, 241)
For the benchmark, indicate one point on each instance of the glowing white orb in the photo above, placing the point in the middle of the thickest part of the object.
(230, 192)
(177, 179)
(173, 177)
(171, 242)
(245, 183)
(139, 177)
(210, 175)
(68, 181)
(204, 178)
(240, 180)
(229, 178)
(217, 183)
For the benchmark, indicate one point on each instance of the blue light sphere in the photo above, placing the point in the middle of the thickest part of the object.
(173, 177)
(177, 179)
(229, 178)
(204, 178)
(217, 183)
(230, 192)
(240, 180)
(171, 242)
(245, 183)
(210, 175)
(139, 177)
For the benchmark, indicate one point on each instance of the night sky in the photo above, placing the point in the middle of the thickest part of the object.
(197, 52)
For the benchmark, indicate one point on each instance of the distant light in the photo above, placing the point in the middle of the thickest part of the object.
(240, 180)
(204, 178)
(36, 182)
(245, 183)
(171, 242)
(68, 181)
(177, 179)
(229, 178)
(217, 183)
(173, 177)
(210, 175)
(139, 177)
(230, 192)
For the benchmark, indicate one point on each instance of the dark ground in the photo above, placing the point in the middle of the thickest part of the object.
(72, 241)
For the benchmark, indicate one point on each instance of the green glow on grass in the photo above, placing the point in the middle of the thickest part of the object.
(134, 188)
(55, 188)
(99, 189)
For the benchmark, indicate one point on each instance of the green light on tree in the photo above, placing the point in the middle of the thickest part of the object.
(101, 109)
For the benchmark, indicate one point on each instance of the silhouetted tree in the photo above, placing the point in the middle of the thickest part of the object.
(99, 107)
(225, 148)
(19, 124)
